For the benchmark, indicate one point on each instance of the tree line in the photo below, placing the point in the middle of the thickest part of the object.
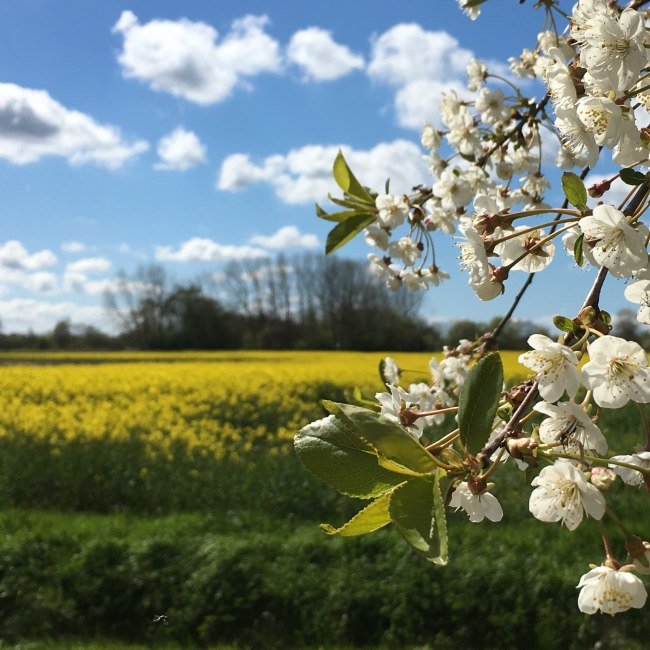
(302, 302)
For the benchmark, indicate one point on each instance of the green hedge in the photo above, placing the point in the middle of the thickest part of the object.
(257, 584)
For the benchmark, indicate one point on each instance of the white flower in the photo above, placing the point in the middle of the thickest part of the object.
(473, 256)
(455, 369)
(603, 117)
(536, 257)
(568, 423)
(610, 591)
(406, 250)
(577, 138)
(563, 494)
(569, 240)
(487, 289)
(630, 476)
(391, 371)
(559, 81)
(392, 210)
(639, 293)
(477, 506)
(430, 138)
(491, 105)
(438, 218)
(476, 73)
(392, 405)
(452, 189)
(377, 236)
(422, 396)
(617, 246)
(617, 372)
(463, 134)
(556, 366)
(472, 12)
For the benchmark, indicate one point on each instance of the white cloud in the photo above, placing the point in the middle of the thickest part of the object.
(22, 314)
(89, 265)
(320, 57)
(127, 249)
(186, 58)
(420, 64)
(73, 247)
(13, 255)
(180, 150)
(199, 249)
(286, 237)
(304, 175)
(33, 125)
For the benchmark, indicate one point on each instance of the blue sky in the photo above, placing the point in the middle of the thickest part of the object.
(252, 116)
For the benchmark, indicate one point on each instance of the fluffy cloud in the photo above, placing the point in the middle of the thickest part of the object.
(199, 249)
(89, 265)
(304, 175)
(186, 58)
(22, 314)
(73, 247)
(320, 57)
(33, 125)
(180, 150)
(420, 64)
(13, 255)
(286, 237)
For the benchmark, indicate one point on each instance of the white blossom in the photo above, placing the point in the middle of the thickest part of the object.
(477, 506)
(476, 73)
(617, 372)
(631, 476)
(536, 257)
(639, 292)
(392, 210)
(562, 494)
(610, 591)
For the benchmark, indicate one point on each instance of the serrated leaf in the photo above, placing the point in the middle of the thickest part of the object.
(632, 177)
(373, 517)
(478, 401)
(579, 250)
(396, 446)
(564, 324)
(574, 190)
(334, 216)
(347, 230)
(333, 451)
(347, 181)
(413, 507)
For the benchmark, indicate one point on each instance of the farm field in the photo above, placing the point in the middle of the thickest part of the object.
(135, 485)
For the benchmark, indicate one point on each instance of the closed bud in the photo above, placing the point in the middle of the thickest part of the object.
(603, 478)
(598, 189)
(519, 448)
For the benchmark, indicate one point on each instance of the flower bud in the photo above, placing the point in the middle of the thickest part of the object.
(520, 447)
(598, 189)
(603, 478)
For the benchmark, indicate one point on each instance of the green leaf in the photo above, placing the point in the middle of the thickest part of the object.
(574, 190)
(478, 401)
(578, 250)
(348, 203)
(333, 451)
(347, 230)
(334, 216)
(360, 400)
(564, 324)
(632, 177)
(473, 3)
(347, 181)
(397, 448)
(373, 517)
(417, 510)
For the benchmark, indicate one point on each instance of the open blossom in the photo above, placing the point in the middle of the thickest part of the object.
(562, 494)
(617, 245)
(455, 369)
(556, 366)
(406, 250)
(617, 372)
(568, 423)
(477, 506)
(472, 254)
(610, 591)
(526, 246)
(377, 236)
(492, 106)
(393, 404)
(603, 117)
(391, 371)
(476, 73)
(392, 210)
(430, 138)
(630, 476)
(452, 189)
(639, 293)
(576, 137)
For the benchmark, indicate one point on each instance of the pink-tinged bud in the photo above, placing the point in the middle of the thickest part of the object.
(598, 189)
(603, 478)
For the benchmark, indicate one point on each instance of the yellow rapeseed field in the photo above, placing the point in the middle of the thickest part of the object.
(211, 403)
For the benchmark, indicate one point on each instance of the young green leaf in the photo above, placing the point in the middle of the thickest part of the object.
(334, 216)
(631, 176)
(373, 517)
(413, 507)
(478, 401)
(342, 233)
(397, 448)
(578, 250)
(334, 452)
(574, 190)
(564, 324)
(347, 181)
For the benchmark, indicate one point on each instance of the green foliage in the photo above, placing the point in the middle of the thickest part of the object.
(347, 181)
(564, 324)
(478, 401)
(373, 517)
(578, 250)
(574, 190)
(631, 176)
(342, 233)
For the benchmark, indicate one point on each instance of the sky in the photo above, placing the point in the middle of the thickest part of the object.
(192, 134)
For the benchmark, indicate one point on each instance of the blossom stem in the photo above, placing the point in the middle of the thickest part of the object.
(606, 544)
(599, 461)
(618, 522)
(445, 441)
(531, 213)
(495, 463)
(540, 243)
(533, 228)
(424, 414)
